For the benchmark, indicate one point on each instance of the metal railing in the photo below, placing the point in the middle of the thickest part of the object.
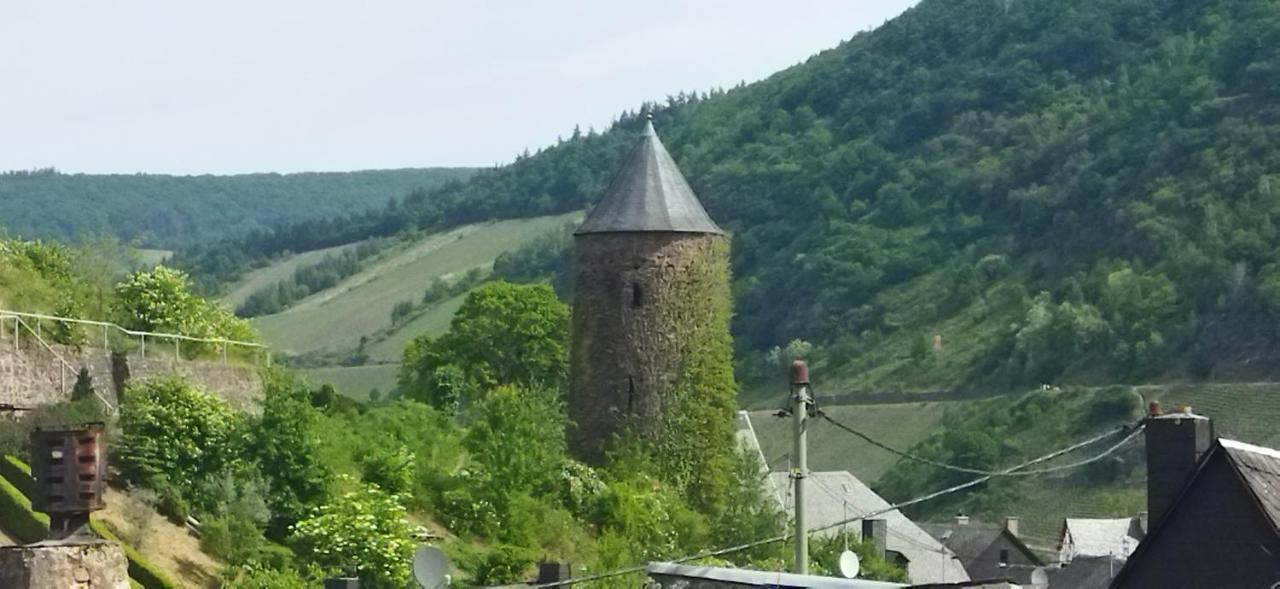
(108, 328)
(63, 365)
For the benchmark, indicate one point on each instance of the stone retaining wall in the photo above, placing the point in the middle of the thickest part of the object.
(31, 376)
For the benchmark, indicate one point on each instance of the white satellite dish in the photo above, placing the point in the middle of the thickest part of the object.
(430, 567)
(849, 564)
(1039, 577)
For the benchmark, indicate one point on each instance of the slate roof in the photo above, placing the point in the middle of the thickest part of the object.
(1102, 537)
(649, 193)
(1259, 468)
(1093, 572)
(833, 496)
(970, 540)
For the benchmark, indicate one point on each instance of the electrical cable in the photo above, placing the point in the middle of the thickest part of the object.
(951, 467)
(920, 499)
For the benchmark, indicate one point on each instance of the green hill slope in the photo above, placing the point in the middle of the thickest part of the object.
(1065, 191)
(334, 320)
(176, 211)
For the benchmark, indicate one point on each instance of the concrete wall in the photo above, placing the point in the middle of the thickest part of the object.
(31, 375)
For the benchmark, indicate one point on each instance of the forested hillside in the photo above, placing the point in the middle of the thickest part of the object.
(1058, 189)
(177, 211)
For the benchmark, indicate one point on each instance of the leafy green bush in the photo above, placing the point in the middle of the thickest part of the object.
(504, 334)
(173, 433)
(362, 533)
(161, 300)
(503, 564)
(282, 441)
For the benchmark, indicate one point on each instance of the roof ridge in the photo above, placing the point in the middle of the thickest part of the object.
(1247, 447)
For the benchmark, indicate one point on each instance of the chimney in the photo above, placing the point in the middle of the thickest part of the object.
(552, 572)
(876, 531)
(962, 519)
(1011, 524)
(1175, 443)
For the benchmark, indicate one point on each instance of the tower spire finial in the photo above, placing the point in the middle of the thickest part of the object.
(648, 124)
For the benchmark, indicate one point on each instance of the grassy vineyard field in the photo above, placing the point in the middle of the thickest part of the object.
(335, 319)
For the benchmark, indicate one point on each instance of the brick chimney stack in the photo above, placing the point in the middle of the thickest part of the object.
(1175, 443)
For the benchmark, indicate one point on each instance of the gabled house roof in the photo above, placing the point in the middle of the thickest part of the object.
(969, 540)
(834, 496)
(1116, 537)
(649, 193)
(1257, 469)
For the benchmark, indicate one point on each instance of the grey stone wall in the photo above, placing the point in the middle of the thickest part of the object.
(633, 295)
(31, 376)
(89, 565)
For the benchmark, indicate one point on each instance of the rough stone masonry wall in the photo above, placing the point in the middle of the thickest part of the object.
(629, 349)
(31, 375)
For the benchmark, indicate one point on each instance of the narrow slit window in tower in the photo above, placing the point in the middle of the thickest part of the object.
(631, 394)
(637, 295)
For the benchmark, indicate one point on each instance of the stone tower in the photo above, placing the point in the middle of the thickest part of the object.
(652, 355)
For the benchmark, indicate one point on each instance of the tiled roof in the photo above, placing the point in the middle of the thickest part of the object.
(649, 194)
(833, 496)
(1094, 572)
(1259, 468)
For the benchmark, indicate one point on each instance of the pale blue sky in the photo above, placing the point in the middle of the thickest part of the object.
(253, 86)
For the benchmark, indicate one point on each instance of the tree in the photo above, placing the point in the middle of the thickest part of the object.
(173, 434)
(283, 442)
(504, 334)
(517, 439)
(161, 300)
(363, 533)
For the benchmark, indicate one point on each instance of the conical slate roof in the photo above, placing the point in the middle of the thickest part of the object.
(649, 194)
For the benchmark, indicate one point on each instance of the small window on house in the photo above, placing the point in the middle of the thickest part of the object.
(637, 295)
(1004, 558)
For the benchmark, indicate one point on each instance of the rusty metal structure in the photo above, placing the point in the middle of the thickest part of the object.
(69, 465)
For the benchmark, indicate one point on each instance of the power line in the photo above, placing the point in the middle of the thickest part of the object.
(967, 470)
(893, 507)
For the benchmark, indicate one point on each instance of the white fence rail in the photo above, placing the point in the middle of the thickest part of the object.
(109, 328)
(63, 365)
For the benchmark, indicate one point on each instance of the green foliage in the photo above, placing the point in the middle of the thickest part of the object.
(282, 441)
(169, 211)
(502, 564)
(362, 533)
(504, 334)
(174, 434)
(161, 300)
(25, 524)
(825, 559)
(517, 439)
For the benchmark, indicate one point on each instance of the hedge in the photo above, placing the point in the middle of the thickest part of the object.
(19, 520)
(30, 526)
(18, 473)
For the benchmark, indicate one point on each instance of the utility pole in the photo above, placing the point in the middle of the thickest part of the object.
(800, 401)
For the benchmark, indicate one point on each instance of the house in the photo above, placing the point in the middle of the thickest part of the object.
(686, 576)
(988, 551)
(1085, 572)
(1085, 538)
(1214, 508)
(835, 496)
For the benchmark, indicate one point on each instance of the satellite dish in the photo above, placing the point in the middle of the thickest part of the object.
(1039, 578)
(849, 564)
(430, 567)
